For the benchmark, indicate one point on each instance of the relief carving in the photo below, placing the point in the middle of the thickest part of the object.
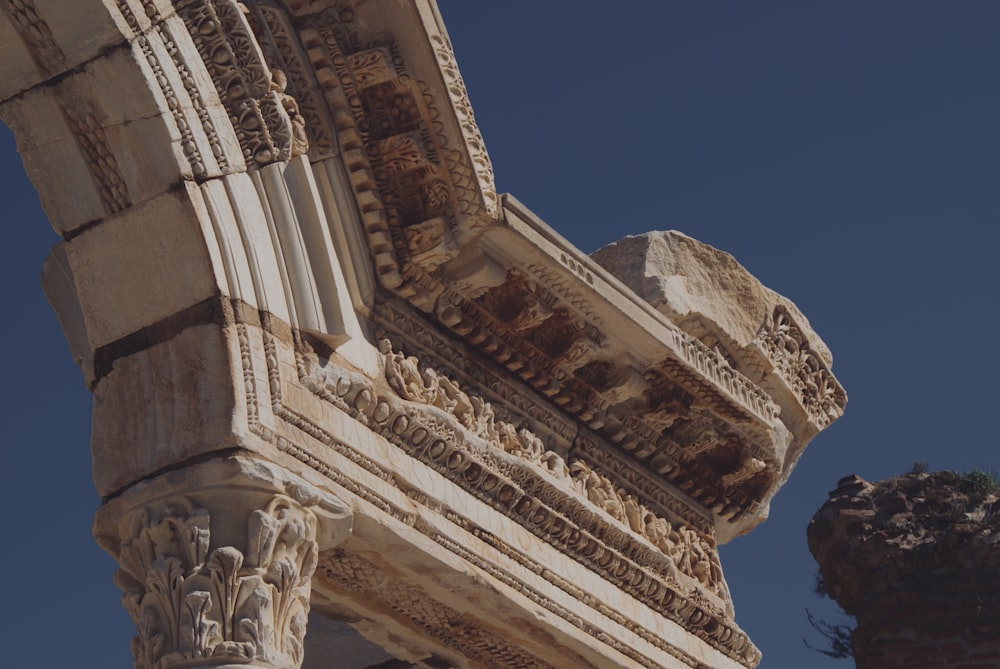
(282, 51)
(233, 58)
(801, 367)
(543, 502)
(693, 553)
(197, 603)
(352, 573)
(690, 552)
(81, 116)
(482, 167)
(36, 34)
(299, 138)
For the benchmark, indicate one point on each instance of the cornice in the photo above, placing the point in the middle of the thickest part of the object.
(499, 280)
(500, 467)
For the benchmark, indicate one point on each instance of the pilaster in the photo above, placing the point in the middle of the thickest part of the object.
(216, 562)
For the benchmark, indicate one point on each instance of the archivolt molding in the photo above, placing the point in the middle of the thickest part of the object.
(283, 74)
(280, 43)
(186, 102)
(245, 83)
(627, 461)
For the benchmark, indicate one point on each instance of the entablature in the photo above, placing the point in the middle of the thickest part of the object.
(718, 424)
(316, 272)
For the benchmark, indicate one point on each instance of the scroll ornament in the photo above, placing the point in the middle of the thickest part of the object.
(691, 552)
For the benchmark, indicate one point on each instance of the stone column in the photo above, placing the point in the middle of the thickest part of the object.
(916, 559)
(216, 562)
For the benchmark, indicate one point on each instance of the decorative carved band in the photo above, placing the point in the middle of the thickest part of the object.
(353, 574)
(263, 117)
(534, 337)
(36, 35)
(670, 568)
(801, 367)
(280, 45)
(195, 602)
(546, 505)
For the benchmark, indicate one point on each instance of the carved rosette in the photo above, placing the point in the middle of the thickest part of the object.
(265, 118)
(198, 603)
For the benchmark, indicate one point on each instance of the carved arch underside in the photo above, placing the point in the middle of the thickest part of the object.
(308, 177)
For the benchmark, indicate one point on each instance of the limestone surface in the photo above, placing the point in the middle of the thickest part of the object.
(334, 371)
(696, 284)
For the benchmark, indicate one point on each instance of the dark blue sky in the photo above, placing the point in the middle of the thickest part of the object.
(845, 152)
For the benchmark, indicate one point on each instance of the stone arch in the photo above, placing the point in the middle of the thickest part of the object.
(325, 354)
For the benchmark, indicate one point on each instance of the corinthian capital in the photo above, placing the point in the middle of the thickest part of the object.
(219, 572)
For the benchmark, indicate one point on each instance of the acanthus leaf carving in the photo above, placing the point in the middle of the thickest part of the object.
(218, 605)
(805, 372)
(692, 553)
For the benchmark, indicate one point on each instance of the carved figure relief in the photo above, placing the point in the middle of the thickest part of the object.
(690, 552)
(193, 603)
(300, 140)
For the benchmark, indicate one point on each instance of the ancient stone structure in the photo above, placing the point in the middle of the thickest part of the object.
(343, 387)
(915, 560)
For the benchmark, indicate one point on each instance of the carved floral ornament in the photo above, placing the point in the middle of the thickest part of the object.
(801, 367)
(552, 344)
(193, 603)
(692, 553)
(668, 566)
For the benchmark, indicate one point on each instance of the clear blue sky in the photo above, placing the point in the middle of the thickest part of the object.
(845, 152)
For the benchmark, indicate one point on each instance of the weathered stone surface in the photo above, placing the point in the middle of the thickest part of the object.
(168, 403)
(915, 559)
(699, 287)
(141, 267)
(57, 41)
(708, 294)
(288, 278)
(217, 562)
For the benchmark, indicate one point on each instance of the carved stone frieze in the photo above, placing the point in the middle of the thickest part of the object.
(511, 399)
(802, 368)
(555, 356)
(569, 505)
(242, 77)
(458, 631)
